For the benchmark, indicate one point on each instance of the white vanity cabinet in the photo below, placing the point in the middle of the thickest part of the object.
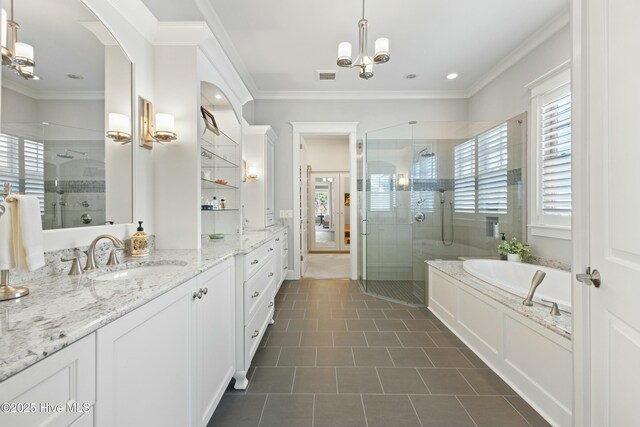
(256, 274)
(67, 377)
(259, 153)
(282, 250)
(168, 362)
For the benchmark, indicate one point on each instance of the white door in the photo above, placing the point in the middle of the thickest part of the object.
(613, 93)
(304, 219)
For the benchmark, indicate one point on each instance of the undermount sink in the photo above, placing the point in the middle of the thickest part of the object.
(139, 271)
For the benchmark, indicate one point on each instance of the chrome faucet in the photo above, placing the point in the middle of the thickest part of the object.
(535, 282)
(92, 263)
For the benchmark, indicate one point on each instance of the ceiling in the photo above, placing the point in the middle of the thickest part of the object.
(277, 45)
(67, 44)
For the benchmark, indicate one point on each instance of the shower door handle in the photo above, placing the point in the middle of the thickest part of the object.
(363, 232)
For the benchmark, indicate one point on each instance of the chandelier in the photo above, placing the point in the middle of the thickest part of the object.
(15, 54)
(363, 61)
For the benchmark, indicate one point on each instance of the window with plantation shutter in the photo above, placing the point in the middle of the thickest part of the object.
(555, 155)
(34, 170)
(464, 165)
(492, 171)
(10, 161)
(424, 172)
(383, 193)
(22, 164)
(551, 148)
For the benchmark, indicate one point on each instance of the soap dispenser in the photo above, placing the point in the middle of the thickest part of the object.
(140, 242)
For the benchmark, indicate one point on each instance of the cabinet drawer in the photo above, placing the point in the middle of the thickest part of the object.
(255, 259)
(254, 331)
(65, 377)
(256, 287)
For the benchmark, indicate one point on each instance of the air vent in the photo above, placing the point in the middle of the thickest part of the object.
(326, 75)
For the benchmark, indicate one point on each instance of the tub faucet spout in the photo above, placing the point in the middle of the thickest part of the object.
(535, 282)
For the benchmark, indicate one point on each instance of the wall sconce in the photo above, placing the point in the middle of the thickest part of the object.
(119, 128)
(402, 181)
(252, 172)
(158, 127)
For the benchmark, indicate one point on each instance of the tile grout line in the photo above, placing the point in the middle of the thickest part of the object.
(293, 382)
(364, 410)
(415, 411)
(467, 381)
(516, 409)
(380, 380)
(264, 405)
(313, 411)
(423, 381)
(467, 412)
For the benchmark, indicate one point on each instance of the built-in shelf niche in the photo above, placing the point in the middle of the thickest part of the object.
(220, 163)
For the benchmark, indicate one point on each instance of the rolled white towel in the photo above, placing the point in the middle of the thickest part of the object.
(26, 224)
(6, 237)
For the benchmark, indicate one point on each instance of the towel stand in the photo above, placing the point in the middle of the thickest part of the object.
(8, 292)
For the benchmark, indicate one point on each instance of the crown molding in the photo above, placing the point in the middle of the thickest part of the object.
(51, 95)
(169, 33)
(137, 14)
(223, 38)
(525, 48)
(359, 95)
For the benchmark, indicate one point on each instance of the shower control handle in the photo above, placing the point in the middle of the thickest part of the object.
(419, 217)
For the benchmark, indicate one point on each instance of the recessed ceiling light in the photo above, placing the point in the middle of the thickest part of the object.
(452, 76)
(218, 96)
(75, 76)
(410, 76)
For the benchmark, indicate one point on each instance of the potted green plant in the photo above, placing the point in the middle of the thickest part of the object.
(515, 250)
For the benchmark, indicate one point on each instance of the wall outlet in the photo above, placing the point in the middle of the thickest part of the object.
(286, 214)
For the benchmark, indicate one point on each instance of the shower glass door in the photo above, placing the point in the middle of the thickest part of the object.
(437, 191)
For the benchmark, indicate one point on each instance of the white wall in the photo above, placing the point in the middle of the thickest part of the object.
(507, 96)
(325, 154)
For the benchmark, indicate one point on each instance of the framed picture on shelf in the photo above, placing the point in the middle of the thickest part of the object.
(209, 121)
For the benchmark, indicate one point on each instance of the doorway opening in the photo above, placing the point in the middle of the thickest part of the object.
(327, 163)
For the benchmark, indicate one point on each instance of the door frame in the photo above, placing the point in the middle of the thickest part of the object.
(580, 211)
(300, 130)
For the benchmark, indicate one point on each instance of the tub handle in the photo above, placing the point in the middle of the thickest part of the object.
(555, 311)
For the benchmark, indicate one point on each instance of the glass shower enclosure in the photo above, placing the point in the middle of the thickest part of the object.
(436, 190)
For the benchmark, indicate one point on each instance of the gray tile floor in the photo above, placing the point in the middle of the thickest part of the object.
(339, 358)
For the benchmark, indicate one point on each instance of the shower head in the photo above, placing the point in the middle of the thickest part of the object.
(426, 152)
(67, 154)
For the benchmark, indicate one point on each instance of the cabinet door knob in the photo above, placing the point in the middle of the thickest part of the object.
(270, 250)
(255, 294)
(271, 274)
(205, 290)
(254, 262)
(271, 304)
(255, 333)
(195, 295)
(286, 249)
(278, 239)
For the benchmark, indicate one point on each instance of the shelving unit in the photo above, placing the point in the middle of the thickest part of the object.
(220, 160)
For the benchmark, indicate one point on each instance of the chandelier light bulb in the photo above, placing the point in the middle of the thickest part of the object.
(344, 54)
(382, 50)
(24, 54)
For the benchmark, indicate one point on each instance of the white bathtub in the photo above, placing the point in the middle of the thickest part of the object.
(515, 277)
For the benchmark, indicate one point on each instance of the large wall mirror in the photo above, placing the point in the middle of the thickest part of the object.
(53, 136)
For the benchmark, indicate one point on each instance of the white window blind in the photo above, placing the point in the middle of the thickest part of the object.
(464, 165)
(424, 169)
(492, 171)
(382, 194)
(555, 155)
(34, 170)
(10, 161)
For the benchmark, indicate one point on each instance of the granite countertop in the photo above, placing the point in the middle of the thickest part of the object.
(539, 313)
(62, 309)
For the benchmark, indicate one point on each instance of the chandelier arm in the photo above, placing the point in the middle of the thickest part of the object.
(362, 7)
